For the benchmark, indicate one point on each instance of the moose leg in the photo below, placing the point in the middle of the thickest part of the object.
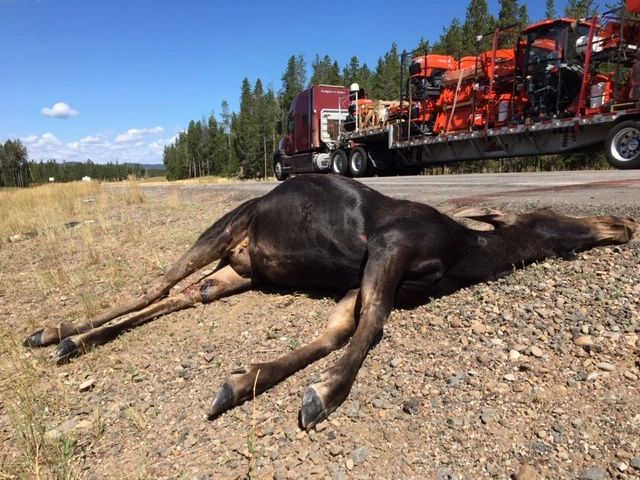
(379, 282)
(239, 387)
(209, 247)
(222, 283)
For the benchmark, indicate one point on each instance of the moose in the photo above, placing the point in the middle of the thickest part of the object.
(331, 232)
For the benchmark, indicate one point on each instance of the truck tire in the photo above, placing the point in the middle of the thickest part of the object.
(278, 169)
(339, 164)
(622, 145)
(359, 164)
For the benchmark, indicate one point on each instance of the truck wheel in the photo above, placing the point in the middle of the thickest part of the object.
(622, 145)
(278, 169)
(339, 164)
(358, 162)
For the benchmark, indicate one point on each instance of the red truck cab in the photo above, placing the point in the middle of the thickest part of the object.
(312, 130)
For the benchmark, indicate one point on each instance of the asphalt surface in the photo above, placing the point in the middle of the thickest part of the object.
(605, 187)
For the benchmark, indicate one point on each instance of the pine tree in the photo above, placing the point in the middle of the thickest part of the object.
(511, 15)
(386, 79)
(325, 71)
(14, 164)
(550, 11)
(579, 8)
(478, 21)
(245, 131)
(293, 81)
(451, 40)
(355, 73)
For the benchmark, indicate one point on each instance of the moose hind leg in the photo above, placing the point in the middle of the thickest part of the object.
(240, 386)
(222, 283)
(213, 244)
(184, 267)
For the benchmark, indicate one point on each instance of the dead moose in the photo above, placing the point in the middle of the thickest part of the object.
(330, 232)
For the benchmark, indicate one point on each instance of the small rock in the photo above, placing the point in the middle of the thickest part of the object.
(335, 450)
(321, 426)
(526, 472)
(87, 385)
(635, 463)
(592, 376)
(510, 377)
(395, 362)
(53, 434)
(360, 455)
(583, 341)
(353, 411)
(514, 355)
(536, 351)
(411, 406)
(629, 375)
(607, 367)
(593, 473)
(478, 328)
(455, 323)
(349, 464)
(445, 473)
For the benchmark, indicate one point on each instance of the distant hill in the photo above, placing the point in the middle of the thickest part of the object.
(148, 166)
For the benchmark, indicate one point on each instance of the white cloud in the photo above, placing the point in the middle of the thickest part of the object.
(158, 145)
(136, 133)
(59, 110)
(100, 148)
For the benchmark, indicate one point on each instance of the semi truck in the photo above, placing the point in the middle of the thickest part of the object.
(567, 85)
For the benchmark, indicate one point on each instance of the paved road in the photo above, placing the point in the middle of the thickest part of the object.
(604, 188)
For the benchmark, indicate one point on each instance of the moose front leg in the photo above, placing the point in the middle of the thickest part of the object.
(239, 387)
(380, 279)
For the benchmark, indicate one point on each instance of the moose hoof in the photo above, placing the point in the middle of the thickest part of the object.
(223, 401)
(313, 410)
(36, 339)
(65, 350)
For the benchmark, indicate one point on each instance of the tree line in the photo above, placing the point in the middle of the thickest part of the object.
(241, 143)
(17, 171)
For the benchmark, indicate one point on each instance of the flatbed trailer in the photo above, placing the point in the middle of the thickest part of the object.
(555, 136)
(568, 85)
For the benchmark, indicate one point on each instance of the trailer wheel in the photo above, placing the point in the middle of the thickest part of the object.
(278, 169)
(358, 162)
(622, 145)
(339, 164)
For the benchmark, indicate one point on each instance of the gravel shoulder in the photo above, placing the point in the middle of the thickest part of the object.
(541, 368)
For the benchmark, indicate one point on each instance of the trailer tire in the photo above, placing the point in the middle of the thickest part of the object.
(339, 164)
(622, 145)
(359, 164)
(278, 170)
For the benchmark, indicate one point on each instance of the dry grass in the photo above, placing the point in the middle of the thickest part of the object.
(34, 398)
(43, 207)
(40, 450)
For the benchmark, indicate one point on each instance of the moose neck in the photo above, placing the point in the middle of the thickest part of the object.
(496, 253)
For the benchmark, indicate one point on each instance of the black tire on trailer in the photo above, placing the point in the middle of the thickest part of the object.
(278, 169)
(622, 145)
(359, 165)
(339, 163)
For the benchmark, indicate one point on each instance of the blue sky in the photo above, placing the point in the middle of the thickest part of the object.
(116, 80)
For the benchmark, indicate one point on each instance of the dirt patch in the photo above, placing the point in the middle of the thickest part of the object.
(540, 368)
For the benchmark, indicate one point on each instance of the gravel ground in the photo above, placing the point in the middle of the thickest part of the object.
(534, 376)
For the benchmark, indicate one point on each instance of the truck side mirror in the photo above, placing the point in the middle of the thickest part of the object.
(279, 127)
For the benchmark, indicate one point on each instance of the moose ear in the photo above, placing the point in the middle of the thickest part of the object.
(487, 215)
